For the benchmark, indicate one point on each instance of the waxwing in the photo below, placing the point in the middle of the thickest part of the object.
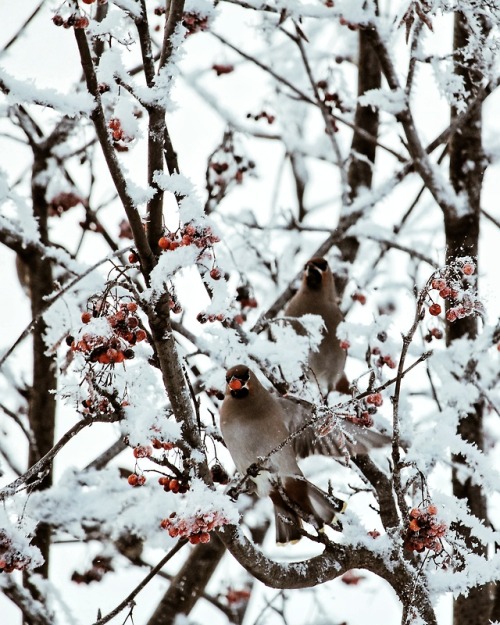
(253, 423)
(317, 295)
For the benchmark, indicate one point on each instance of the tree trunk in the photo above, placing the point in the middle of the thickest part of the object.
(467, 166)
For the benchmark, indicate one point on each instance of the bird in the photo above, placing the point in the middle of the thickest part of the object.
(253, 423)
(317, 295)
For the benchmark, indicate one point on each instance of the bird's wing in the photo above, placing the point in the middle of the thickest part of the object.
(343, 435)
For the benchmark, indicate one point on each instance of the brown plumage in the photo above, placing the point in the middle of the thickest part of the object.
(317, 295)
(253, 423)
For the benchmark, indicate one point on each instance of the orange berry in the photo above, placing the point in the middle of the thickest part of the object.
(432, 509)
(235, 384)
(164, 243)
(414, 526)
(132, 307)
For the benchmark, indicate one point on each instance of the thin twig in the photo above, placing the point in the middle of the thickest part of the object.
(128, 600)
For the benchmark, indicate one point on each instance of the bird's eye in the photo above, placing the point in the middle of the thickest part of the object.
(320, 263)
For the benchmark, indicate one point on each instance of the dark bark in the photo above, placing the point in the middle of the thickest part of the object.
(41, 404)
(462, 238)
(360, 172)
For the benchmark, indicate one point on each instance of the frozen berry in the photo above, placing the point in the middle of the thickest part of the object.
(468, 269)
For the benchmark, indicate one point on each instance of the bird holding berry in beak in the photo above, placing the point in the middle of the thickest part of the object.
(253, 424)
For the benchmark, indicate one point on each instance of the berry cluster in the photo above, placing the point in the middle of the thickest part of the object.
(77, 21)
(195, 528)
(10, 558)
(62, 202)
(97, 405)
(424, 531)
(201, 237)
(433, 333)
(172, 484)
(269, 117)
(117, 348)
(194, 23)
(135, 479)
(100, 566)
(120, 139)
(448, 284)
(222, 68)
(382, 359)
(226, 166)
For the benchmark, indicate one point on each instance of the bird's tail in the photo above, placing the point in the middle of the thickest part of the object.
(296, 498)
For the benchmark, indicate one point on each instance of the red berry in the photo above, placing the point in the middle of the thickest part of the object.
(215, 273)
(375, 399)
(432, 509)
(88, 1)
(132, 307)
(86, 317)
(359, 297)
(446, 292)
(438, 284)
(344, 344)
(81, 22)
(143, 451)
(140, 335)
(58, 20)
(468, 269)
(133, 479)
(435, 309)
(133, 258)
(451, 315)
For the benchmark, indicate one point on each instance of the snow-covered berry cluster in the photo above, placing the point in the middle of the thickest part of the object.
(195, 528)
(450, 286)
(125, 333)
(424, 531)
(10, 557)
(194, 22)
(189, 234)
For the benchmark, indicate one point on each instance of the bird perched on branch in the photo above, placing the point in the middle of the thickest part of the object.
(254, 424)
(317, 296)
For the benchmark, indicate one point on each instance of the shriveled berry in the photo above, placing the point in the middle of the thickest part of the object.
(375, 399)
(58, 20)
